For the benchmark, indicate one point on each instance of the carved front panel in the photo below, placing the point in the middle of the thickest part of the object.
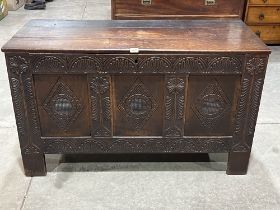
(138, 104)
(159, 98)
(63, 105)
(211, 105)
(99, 103)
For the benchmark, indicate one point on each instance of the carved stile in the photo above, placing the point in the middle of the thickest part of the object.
(100, 106)
(249, 101)
(174, 107)
(23, 96)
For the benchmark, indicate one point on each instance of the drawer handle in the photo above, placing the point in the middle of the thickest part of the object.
(261, 16)
(146, 2)
(265, 1)
(258, 33)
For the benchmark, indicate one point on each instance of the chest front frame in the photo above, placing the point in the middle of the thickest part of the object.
(175, 72)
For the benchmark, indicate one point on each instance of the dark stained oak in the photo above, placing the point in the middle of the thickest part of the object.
(148, 36)
(80, 122)
(184, 87)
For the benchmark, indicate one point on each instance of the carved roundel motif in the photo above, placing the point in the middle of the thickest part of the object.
(138, 105)
(100, 85)
(256, 65)
(211, 105)
(62, 105)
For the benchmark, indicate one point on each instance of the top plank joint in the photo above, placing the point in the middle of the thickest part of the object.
(153, 36)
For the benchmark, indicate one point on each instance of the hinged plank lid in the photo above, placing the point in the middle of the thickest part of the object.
(152, 36)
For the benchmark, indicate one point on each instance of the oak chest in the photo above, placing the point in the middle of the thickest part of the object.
(263, 17)
(176, 9)
(135, 87)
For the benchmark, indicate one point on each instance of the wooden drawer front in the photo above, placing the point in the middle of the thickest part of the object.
(177, 8)
(265, 2)
(211, 105)
(263, 15)
(63, 105)
(269, 34)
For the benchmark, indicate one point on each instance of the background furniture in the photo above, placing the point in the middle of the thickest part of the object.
(176, 9)
(3, 9)
(15, 4)
(263, 17)
(136, 87)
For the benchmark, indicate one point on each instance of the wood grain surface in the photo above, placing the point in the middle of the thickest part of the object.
(263, 15)
(264, 2)
(193, 87)
(149, 36)
(270, 34)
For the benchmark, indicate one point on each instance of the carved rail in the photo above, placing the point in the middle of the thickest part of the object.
(136, 145)
(137, 64)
